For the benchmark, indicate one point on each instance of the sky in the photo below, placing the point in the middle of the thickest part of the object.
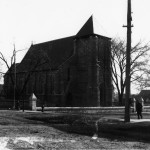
(23, 22)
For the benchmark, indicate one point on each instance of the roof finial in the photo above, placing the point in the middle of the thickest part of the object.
(31, 43)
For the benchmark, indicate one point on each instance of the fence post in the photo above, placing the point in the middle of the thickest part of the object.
(142, 102)
(134, 105)
(33, 100)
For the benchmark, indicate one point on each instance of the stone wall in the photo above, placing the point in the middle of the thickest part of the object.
(91, 110)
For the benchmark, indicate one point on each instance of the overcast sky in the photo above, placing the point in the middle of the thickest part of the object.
(25, 21)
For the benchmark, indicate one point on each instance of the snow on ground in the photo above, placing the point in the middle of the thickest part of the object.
(5, 141)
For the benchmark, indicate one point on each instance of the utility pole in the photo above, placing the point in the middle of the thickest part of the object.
(128, 58)
(14, 77)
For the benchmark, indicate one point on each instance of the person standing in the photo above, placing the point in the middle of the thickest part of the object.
(139, 110)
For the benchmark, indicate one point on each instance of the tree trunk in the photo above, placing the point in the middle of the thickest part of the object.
(120, 96)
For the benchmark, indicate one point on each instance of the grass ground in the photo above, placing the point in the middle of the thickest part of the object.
(37, 130)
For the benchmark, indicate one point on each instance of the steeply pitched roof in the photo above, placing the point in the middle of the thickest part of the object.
(56, 52)
(12, 68)
(87, 28)
(91, 27)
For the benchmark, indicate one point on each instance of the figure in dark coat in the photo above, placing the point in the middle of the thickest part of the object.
(139, 110)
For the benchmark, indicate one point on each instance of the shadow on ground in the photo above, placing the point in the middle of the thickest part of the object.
(113, 129)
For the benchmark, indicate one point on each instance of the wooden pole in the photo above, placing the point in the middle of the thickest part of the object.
(14, 107)
(128, 58)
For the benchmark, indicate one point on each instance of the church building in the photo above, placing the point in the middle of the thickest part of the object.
(70, 72)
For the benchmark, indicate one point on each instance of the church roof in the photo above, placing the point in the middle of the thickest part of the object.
(12, 68)
(92, 26)
(57, 51)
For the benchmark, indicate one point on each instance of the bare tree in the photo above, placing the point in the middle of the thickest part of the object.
(37, 59)
(143, 82)
(139, 63)
(7, 63)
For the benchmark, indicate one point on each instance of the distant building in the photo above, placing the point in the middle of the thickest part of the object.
(73, 71)
(145, 94)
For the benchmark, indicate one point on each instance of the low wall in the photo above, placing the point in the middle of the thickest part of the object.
(89, 110)
(6, 104)
(146, 109)
(9, 103)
